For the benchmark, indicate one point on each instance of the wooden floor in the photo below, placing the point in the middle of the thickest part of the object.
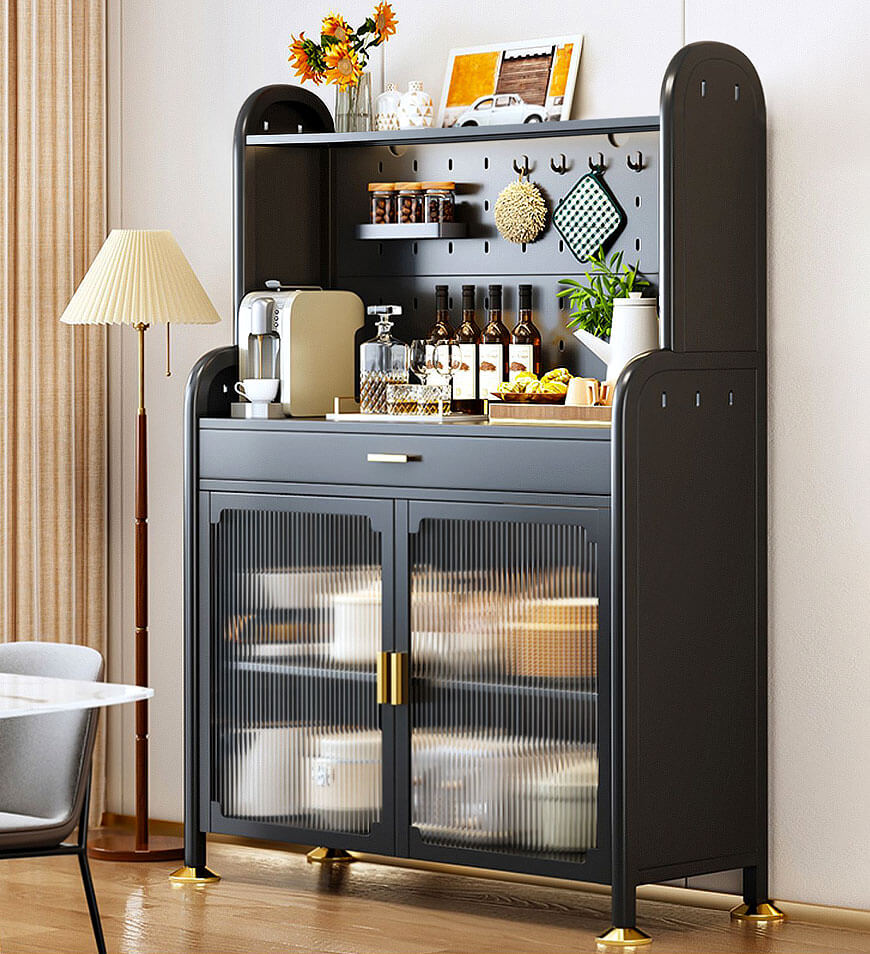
(272, 900)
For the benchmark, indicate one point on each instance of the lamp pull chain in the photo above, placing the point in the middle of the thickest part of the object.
(168, 368)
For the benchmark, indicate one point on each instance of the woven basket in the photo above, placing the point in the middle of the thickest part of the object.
(556, 638)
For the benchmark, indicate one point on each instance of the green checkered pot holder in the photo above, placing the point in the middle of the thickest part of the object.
(588, 217)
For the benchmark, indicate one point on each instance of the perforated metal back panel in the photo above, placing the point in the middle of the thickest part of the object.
(305, 201)
(406, 272)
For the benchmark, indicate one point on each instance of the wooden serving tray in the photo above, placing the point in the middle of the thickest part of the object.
(502, 413)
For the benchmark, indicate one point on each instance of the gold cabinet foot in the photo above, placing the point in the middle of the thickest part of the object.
(623, 937)
(335, 856)
(764, 913)
(189, 875)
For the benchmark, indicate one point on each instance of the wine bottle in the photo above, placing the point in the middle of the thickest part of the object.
(493, 350)
(524, 352)
(465, 393)
(440, 332)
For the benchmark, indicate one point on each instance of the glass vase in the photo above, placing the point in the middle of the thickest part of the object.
(353, 106)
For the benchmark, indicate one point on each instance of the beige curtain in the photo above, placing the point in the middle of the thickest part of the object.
(52, 376)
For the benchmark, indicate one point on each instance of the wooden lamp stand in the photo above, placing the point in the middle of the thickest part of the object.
(107, 844)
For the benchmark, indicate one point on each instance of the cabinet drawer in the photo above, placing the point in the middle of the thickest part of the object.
(453, 463)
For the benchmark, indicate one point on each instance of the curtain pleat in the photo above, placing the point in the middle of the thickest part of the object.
(53, 382)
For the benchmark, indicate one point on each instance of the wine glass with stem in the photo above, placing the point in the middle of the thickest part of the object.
(446, 358)
(418, 355)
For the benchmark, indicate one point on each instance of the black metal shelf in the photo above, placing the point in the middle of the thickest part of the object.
(412, 230)
(399, 137)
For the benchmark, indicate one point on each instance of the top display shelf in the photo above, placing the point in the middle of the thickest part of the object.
(407, 137)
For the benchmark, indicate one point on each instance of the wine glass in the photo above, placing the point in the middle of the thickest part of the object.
(446, 359)
(418, 355)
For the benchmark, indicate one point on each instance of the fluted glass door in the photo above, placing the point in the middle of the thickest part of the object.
(298, 623)
(504, 625)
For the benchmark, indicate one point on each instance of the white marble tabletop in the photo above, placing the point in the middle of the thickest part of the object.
(34, 695)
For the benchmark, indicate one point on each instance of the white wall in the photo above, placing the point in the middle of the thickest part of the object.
(179, 69)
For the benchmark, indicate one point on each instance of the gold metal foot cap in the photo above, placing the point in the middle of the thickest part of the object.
(623, 937)
(188, 875)
(335, 856)
(764, 913)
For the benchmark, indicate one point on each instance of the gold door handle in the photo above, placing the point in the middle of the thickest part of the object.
(391, 458)
(383, 679)
(398, 679)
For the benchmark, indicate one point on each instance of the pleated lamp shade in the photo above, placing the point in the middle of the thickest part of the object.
(140, 277)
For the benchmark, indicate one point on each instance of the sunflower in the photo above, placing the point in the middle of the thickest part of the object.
(304, 59)
(342, 65)
(385, 21)
(337, 27)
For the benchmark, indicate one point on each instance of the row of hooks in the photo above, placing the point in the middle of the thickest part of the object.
(560, 168)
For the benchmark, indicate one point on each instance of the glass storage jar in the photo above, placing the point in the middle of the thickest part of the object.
(410, 202)
(440, 201)
(383, 202)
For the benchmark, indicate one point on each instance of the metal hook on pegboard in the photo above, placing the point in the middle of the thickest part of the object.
(637, 164)
(599, 166)
(524, 169)
(562, 168)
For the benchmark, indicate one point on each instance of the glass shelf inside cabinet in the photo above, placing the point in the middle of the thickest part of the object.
(297, 608)
(504, 619)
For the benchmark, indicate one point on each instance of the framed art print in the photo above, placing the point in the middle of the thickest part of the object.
(525, 81)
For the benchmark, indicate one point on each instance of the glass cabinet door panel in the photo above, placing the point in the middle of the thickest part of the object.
(504, 638)
(297, 608)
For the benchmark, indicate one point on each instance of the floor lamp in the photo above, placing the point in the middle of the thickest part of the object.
(139, 278)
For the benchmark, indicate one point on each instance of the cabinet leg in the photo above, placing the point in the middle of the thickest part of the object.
(194, 870)
(334, 856)
(756, 907)
(624, 932)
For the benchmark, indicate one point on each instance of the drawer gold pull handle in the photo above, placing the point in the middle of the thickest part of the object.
(391, 458)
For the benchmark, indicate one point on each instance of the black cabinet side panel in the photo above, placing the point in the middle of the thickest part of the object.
(714, 285)
(695, 610)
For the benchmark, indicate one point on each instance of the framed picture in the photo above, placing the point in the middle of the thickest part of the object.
(529, 81)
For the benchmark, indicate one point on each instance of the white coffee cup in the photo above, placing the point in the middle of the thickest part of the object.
(258, 390)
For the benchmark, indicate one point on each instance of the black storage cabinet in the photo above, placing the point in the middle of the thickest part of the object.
(665, 513)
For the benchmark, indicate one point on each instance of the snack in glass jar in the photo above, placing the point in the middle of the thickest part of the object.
(439, 201)
(410, 202)
(383, 202)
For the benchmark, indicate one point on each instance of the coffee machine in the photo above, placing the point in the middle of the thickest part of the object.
(316, 355)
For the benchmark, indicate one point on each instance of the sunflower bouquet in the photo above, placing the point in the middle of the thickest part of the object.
(342, 54)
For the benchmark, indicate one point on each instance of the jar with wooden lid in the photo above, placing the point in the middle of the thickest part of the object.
(410, 202)
(440, 201)
(383, 202)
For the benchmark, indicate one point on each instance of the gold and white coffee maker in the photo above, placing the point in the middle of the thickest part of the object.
(316, 353)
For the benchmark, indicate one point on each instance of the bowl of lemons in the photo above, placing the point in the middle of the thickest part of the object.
(528, 388)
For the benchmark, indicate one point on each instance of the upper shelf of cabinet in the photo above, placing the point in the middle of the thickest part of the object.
(405, 137)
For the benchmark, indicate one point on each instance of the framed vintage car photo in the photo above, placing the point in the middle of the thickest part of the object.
(526, 81)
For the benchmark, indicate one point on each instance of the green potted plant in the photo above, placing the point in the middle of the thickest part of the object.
(609, 314)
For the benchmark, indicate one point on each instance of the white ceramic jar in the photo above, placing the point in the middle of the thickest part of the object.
(356, 626)
(345, 780)
(268, 773)
(387, 114)
(415, 107)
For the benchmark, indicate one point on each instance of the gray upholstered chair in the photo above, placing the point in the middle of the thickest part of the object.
(46, 759)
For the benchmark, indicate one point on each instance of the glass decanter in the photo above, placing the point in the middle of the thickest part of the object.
(382, 361)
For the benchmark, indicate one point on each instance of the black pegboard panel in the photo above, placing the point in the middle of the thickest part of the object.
(406, 271)
(481, 170)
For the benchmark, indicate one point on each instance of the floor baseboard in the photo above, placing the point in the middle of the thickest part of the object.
(692, 897)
